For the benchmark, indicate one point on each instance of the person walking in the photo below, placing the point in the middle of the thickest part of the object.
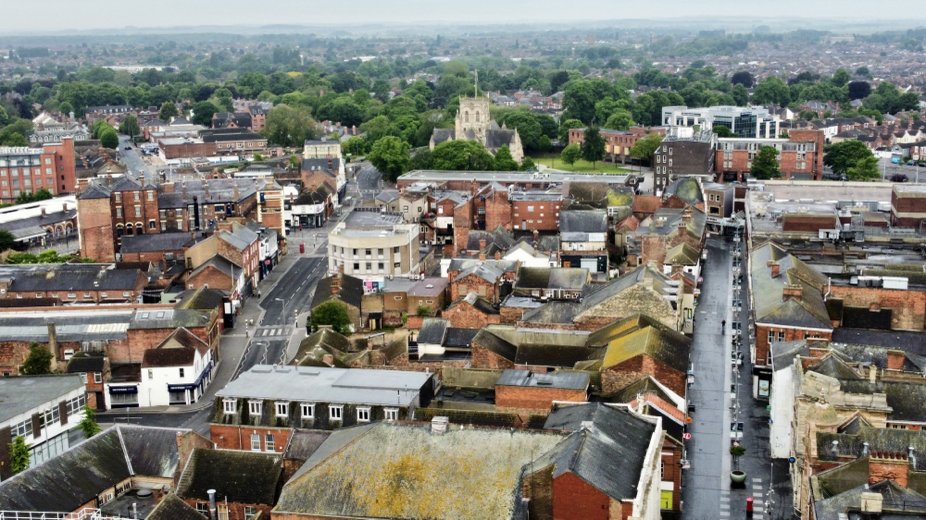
(723, 325)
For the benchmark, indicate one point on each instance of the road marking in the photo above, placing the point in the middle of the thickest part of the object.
(756, 479)
(758, 495)
(757, 488)
(724, 513)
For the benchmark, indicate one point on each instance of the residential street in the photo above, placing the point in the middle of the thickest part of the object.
(133, 160)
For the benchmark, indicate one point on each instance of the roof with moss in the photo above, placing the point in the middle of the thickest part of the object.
(238, 476)
(401, 470)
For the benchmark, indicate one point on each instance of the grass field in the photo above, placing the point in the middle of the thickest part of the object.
(581, 166)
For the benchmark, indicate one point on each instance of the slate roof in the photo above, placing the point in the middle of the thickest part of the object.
(218, 135)
(487, 272)
(879, 439)
(70, 480)
(610, 455)
(312, 349)
(656, 341)
(908, 400)
(155, 242)
(220, 263)
(21, 394)
(350, 292)
(303, 443)
(321, 164)
(202, 299)
(167, 355)
(84, 362)
(171, 507)
(909, 342)
(459, 338)
(808, 312)
(462, 264)
(433, 330)
(498, 239)
(480, 304)
(527, 378)
(70, 277)
(568, 278)
(400, 470)
(576, 225)
(239, 476)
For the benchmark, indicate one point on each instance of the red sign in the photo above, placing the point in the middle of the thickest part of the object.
(266, 262)
(686, 436)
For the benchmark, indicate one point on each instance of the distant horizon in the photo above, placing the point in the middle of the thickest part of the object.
(173, 16)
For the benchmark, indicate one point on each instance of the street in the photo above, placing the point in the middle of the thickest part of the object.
(369, 182)
(133, 160)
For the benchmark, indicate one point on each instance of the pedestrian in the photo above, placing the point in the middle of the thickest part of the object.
(723, 324)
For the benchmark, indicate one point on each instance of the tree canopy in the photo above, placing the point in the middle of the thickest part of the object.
(503, 160)
(765, 164)
(88, 424)
(645, 147)
(592, 145)
(38, 362)
(462, 155)
(390, 156)
(845, 155)
(571, 154)
(129, 126)
(333, 313)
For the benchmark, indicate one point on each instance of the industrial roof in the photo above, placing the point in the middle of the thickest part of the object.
(328, 385)
(21, 394)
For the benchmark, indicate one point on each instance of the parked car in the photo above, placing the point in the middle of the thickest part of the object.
(128, 147)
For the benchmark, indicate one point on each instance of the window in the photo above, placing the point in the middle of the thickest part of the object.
(771, 336)
(382, 266)
(118, 197)
(150, 374)
(781, 335)
(181, 372)
(356, 266)
(392, 414)
(150, 194)
(23, 429)
(249, 512)
(363, 414)
(255, 442)
(308, 411)
(282, 409)
(229, 405)
(118, 212)
(268, 442)
(137, 197)
(530, 208)
(97, 377)
(335, 412)
(137, 211)
(254, 407)
(152, 225)
(76, 405)
(203, 508)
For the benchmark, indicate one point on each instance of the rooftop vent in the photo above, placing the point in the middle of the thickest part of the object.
(439, 425)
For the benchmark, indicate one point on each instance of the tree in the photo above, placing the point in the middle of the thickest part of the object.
(13, 139)
(19, 455)
(88, 424)
(295, 161)
(6, 240)
(841, 77)
(847, 154)
(859, 90)
(503, 160)
(390, 156)
(744, 78)
(423, 310)
(333, 313)
(289, 126)
(109, 139)
(592, 146)
(422, 160)
(645, 148)
(723, 131)
(462, 155)
(771, 90)
(765, 164)
(527, 126)
(38, 362)
(620, 120)
(129, 126)
(203, 112)
(527, 165)
(355, 146)
(736, 452)
(571, 154)
(740, 95)
(168, 111)
(863, 71)
(544, 144)
(865, 169)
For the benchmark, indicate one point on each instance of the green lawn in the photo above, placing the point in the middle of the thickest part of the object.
(582, 166)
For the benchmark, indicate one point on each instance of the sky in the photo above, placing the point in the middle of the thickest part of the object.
(81, 15)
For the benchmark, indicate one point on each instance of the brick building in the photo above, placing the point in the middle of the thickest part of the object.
(524, 391)
(800, 155)
(245, 483)
(73, 283)
(234, 141)
(27, 170)
(273, 401)
(471, 312)
(683, 153)
(908, 206)
(617, 142)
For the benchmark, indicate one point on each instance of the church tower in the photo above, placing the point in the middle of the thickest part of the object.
(473, 116)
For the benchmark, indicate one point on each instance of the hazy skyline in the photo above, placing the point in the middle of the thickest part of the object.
(79, 16)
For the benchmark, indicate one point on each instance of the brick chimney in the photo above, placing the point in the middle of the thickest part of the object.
(790, 291)
(336, 284)
(886, 465)
(482, 250)
(53, 345)
(498, 255)
(43, 211)
(237, 193)
(776, 269)
(895, 359)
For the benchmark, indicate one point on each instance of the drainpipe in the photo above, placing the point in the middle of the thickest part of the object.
(829, 284)
(212, 515)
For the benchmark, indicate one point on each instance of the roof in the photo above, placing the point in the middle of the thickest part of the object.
(770, 307)
(176, 350)
(432, 331)
(327, 385)
(902, 502)
(72, 479)
(303, 443)
(480, 304)
(526, 378)
(569, 278)
(84, 362)
(220, 263)
(401, 470)
(70, 277)
(238, 476)
(654, 340)
(229, 134)
(174, 508)
(202, 299)
(350, 292)
(608, 449)
(583, 221)
(22, 394)
(163, 242)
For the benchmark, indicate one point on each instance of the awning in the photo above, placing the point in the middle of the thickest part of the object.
(28, 233)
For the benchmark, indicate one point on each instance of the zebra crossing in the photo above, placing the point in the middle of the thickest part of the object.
(265, 332)
(755, 489)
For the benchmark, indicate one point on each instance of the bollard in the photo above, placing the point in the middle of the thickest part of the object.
(749, 506)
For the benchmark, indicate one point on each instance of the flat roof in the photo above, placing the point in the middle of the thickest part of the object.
(372, 219)
(512, 177)
(527, 378)
(20, 394)
(327, 385)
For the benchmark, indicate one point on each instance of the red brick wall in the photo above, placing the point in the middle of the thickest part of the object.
(214, 278)
(545, 215)
(12, 354)
(880, 468)
(575, 499)
(908, 307)
(808, 223)
(465, 316)
(498, 210)
(235, 509)
(64, 166)
(511, 315)
(234, 437)
(530, 398)
(483, 358)
(622, 374)
(96, 230)
(472, 283)
(672, 471)
(762, 344)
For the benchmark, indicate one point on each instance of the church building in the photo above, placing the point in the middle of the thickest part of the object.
(473, 123)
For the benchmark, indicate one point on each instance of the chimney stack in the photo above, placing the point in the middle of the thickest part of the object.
(873, 373)
(885, 465)
(895, 359)
(212, 509)
(792, 291)
(498, 255)
(53, 345)
(336, 284)
(482, 250)
(776, 269)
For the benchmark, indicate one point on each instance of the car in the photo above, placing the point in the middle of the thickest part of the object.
(128, 148)
(910, 163)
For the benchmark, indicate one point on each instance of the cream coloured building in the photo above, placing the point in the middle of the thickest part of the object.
(372, 245)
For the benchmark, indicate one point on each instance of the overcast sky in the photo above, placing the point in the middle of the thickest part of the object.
(100, 14)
